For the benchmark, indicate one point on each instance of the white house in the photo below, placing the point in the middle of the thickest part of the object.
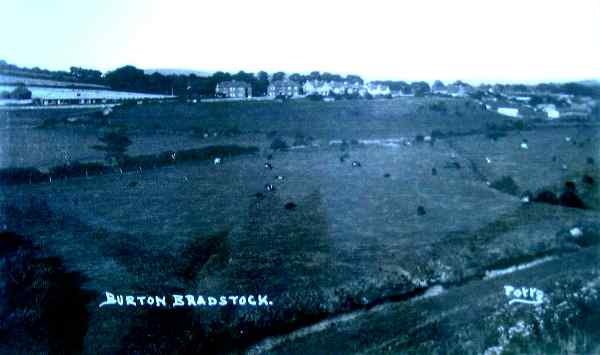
(377, 89)
(317, 87)
(550, 110)
(508, 111)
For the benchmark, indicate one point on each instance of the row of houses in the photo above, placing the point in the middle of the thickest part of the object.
(290, 88)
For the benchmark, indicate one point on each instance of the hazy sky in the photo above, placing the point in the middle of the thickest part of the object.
(497, 40)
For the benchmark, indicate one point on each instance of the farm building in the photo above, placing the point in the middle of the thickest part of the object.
(283, 87)
(48, 96)
(234, 89)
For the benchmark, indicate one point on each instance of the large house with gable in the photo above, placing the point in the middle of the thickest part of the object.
(287, 88)
(234, 89)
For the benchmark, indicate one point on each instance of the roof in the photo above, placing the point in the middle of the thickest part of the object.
(233, 84)
(284, 83)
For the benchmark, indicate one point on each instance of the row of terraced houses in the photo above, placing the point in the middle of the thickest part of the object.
(289, 88)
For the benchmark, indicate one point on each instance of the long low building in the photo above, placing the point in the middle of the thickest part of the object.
(64, 96)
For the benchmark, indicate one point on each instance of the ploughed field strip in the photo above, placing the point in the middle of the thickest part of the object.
(327, 238)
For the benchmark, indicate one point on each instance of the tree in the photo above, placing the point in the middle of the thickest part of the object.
(115, 146)
(354, 79)
(261, 84)
(127, 78)
(420, 88)
(86, 75)
(300, 79)
(278, 76)
(438, 86)
(20, 92)
(314, 76)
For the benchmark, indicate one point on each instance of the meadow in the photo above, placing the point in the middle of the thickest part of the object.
(329, 239)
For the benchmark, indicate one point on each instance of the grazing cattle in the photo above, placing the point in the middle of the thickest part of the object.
(526, 197)
(524, 144)
(420, 211)
(576, 232)
(217, 161)
(133, 184)
(268, 166)
(488, 160)
(279, 177)
(270, 156)
(290, 206)
(590, 160)
(386, 175)
(356, 164)
(344, 157)
(554, 158)
(567, 139)
(269, 187)
(433, 171)
(259, 195)
(564, 167)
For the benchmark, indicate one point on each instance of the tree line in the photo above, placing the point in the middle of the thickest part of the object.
(130, 78)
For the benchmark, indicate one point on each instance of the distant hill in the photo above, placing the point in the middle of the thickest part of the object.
(591, 82)
(167, 71)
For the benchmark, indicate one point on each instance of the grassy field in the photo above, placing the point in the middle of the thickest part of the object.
(353, 239)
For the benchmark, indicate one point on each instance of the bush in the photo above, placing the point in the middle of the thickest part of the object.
(506, 184)
(546, 196)
(20, 93)
(438, 106)
(115, 145)
(77, 170)
(300, 140)
(42, 305)
(520, 125)
(279, 144)
(14, 176)
(315, 97)
(436, 133)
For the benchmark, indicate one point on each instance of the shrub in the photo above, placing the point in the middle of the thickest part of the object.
(570, 199)
(315, 97)
(115, 145)
(436, 133)
(546, 196)
(20, 93)
(300, 140)
(43, 305)
(438, 106)
(272, 134)
(506, 184)
(77, 170)
(14, 176)
(279, 144)
(520, 125)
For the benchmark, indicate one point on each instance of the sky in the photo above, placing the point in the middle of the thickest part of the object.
(471, 40)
